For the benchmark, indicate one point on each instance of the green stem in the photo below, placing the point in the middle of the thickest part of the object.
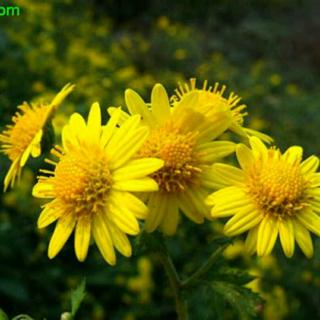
(202, 271)
(175, 283)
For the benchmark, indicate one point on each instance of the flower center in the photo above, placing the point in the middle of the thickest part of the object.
(177, 151)
(18, 137)
(277, 186)
(82, 180)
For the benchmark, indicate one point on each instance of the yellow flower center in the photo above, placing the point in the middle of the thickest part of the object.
(19, 136)
(177, 151)
(277, 186)
(82, 180)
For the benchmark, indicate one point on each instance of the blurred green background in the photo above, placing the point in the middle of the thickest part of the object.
(268, 52)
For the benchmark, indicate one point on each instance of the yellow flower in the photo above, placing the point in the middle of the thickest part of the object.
(211, 100)
(273, 194)
(23, 138)
(92, 182)
(182, 138)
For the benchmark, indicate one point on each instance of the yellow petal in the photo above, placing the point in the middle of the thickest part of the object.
(259, 150)
(310, 165)
(65, 91)
(103, 239)
(267, 235)
(189, 209)
(123, 116)
(242, 221)
(61, 234)
(211, 151)
(36, 145)
(137, 168)
(286, 234)
(187, 101)
(109, 129)
(48, 215)
(251, 240)
(197, 198)
(262, 136)
(12, 173)
(77, 123)
(136, 105)
(244, 156)
(120, 240)
(171, 219)
(43, 190)
(82, 237)
(309, 220)
(293, 154)
(136, 185)
(160, 103)
(122, 217)
(94, 123)
(157, 204)
(302, 235)
(229, 174)
(133, 204)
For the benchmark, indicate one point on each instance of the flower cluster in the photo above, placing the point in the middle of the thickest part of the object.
(152, 161)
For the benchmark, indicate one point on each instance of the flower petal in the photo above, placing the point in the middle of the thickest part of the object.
(160, 103)
(267, 235)
(61, 234)
(244, 156)
(310, 165)
(136, 185)
(211, 151)
(120, 240)
(309, 220)
(303, 237)
(137, 168)
(251, 240)
(171, 219)
(136, 105)
(228, 174)
(286, 234)
(82, 237)
(102, 237)
(157, 204)
(242, 221)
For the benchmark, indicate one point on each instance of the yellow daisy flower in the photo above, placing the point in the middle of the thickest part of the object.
(182, 138)
(211, 100)
(92, 182)
(23, 137)
(272, 194)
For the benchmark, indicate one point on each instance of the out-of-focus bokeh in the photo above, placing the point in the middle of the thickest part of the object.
(268, 52)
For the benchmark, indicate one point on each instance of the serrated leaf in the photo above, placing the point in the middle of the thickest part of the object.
(233, 275)
(77, 297)
(241, 299)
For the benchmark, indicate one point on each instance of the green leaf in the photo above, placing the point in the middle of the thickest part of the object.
(233, 275)
(241, 299)
(77, 297)
(3, 315)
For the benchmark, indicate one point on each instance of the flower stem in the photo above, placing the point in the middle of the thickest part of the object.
(202, 271)
(175, 283)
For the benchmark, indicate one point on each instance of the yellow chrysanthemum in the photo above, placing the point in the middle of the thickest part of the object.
(92, 182)
(23, 138)
(211, 100)
(273, 194)
(182, 138)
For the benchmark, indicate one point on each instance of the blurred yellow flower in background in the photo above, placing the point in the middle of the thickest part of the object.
(211, 101)
(23, 137)
(272, 194)
(182, 138)
(92, 182)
